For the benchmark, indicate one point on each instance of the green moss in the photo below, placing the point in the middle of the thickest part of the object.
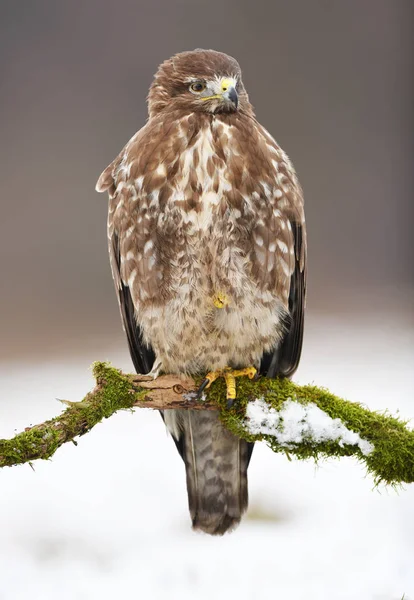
(114, 391)
(25, 446)
(391, 461)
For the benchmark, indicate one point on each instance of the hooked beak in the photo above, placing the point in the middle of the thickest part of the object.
(228, 91)
(231, 95)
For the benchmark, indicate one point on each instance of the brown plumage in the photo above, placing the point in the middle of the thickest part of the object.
(203, 201)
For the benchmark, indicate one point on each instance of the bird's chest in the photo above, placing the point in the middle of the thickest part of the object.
(201, 219)
(200, 188)
(204, 211)
(201, 230)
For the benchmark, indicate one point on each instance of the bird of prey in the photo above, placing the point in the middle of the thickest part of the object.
(208, 252)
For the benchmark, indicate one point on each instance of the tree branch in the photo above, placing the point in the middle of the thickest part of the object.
(301, 421)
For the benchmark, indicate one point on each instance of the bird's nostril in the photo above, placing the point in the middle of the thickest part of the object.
(224, 89)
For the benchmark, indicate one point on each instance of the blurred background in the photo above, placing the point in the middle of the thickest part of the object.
(332, 81)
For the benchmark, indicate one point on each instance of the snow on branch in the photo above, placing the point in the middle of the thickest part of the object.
(301, 421)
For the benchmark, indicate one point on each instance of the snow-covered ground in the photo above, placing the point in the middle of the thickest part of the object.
(109, 518)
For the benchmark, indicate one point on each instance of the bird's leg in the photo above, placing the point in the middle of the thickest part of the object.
(250, 372)
(230, 380)
(205, 384)
(229, 376)
(152, 375)
(156, 368)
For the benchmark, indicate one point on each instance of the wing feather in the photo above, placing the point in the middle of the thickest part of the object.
(284, 359)
(142, 355)
(280, 252)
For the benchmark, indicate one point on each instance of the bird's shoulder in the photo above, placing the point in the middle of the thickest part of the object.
(143, 149)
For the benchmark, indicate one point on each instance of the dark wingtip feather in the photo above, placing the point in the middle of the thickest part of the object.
(142, 356)
(284, 359)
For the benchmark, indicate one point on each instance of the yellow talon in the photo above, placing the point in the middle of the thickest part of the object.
(250, 372)
(229, 376)
(212, 376)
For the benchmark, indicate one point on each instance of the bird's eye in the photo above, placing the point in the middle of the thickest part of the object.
(197, 87)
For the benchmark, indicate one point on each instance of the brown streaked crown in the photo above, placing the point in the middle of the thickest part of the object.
(169, 90)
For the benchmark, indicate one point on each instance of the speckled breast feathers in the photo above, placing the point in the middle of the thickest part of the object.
(202, 204)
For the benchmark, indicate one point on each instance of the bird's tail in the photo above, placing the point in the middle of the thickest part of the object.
(216, 465)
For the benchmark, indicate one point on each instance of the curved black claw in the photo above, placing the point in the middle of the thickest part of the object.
(230, 403)
(202, 387)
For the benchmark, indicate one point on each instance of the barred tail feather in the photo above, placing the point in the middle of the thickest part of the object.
(216, 466)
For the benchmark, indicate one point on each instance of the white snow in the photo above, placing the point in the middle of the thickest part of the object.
(295, 423)
(108, 518)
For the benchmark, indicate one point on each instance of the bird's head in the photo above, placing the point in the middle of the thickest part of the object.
(198, 81)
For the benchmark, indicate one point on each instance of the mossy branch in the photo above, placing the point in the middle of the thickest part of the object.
(390, 460)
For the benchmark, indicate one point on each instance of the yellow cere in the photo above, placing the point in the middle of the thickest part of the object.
(226, 83)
